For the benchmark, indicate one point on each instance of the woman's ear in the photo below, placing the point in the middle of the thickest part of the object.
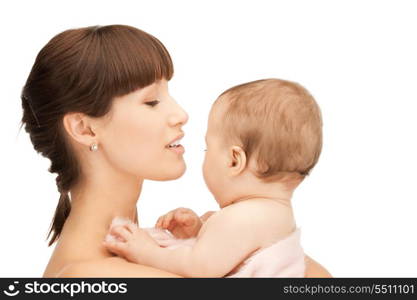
(79, 127)
(237, 160)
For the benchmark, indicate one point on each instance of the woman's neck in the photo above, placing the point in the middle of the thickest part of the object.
(95, 203)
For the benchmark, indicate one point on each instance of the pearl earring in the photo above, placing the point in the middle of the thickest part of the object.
(94, 147)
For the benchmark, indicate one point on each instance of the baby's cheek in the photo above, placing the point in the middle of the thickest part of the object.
(205, 170)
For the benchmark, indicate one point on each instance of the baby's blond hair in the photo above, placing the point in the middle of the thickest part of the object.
(277, 122)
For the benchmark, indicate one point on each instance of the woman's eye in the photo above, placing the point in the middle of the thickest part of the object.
(205, 150)
(152, 103)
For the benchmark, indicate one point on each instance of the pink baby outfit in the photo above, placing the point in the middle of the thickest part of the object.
(285, 258)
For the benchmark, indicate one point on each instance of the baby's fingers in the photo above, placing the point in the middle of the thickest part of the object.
(184, 218)
(167, 220)
(132, 227)
(120, 232)
(117, 247)
(158, 235)
(158, 223)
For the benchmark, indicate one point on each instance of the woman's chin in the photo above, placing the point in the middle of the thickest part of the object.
(173, 173)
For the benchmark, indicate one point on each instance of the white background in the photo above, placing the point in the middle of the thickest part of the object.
(358, 209)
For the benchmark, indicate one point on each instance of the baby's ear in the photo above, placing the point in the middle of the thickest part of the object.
(237, 160)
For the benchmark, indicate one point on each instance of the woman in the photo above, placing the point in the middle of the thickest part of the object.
(96, 103)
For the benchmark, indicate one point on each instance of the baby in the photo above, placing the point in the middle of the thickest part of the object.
(263, 138)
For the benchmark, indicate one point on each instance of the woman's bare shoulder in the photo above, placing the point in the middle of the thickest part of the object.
(314, 269)
(110, 267)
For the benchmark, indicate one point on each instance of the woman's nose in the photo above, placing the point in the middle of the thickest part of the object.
(179, 117)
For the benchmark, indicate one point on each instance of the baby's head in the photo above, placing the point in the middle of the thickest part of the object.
(269, 129)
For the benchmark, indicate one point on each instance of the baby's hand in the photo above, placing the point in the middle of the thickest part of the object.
(130, 242)
(182, 222)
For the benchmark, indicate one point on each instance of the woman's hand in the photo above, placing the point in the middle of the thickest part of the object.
(131, 242)
(183, 223)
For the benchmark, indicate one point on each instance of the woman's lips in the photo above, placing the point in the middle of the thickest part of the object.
(178, 149)
(177, 140)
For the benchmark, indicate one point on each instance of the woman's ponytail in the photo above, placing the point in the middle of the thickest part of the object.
(62, 212)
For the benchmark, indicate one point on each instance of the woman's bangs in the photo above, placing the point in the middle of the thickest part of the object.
(133, 59)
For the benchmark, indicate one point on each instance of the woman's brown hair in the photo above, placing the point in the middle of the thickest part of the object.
(82, 70)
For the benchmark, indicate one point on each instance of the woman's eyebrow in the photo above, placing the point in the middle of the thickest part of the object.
(150, 95)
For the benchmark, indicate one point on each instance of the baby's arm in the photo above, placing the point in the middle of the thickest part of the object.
(207, 215)
(225, 240)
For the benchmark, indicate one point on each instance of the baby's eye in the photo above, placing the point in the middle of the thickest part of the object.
(205, 149)
(152, 103)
